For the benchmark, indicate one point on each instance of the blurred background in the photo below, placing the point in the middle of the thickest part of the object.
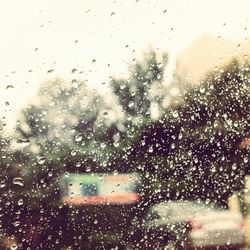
(110, 107)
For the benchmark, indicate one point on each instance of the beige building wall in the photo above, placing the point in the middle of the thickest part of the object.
(207, 54)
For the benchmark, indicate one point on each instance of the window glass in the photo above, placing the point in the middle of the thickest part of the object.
(110, 109)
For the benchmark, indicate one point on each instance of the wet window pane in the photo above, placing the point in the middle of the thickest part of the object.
(124, 124)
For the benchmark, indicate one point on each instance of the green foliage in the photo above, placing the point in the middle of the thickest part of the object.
(194, 149)
(134, 93)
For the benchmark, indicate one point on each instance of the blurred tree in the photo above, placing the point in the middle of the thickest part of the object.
(143, 86)
(193, 150)
(141, 98)
(58, 134)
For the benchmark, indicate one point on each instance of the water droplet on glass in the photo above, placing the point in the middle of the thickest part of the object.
(24, 142)
(20, 202)
(9, 86)
(213, 169)
(234, 166)
(131, 104)
(95, 221)
(18, 181)
(202, 90)
(13, 247)
(17, 223)
(78, 164)
(73, 152)
(175, 114)
(105, 114)
(40, 159)
(122, 86)
(150, 150)
(2, 184)
(78, 137)
(75, 83)
(180, 135)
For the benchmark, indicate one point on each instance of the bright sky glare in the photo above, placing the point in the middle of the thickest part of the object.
(92, 36)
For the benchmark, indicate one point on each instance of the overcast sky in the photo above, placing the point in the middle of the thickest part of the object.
(40, 35)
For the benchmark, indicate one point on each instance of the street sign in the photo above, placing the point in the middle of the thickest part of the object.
(79, 189)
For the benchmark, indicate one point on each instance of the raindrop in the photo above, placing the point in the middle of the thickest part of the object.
(78, 137)
(17, 223)
(9, 86)
(180, 135)
(78, 164)
(122, 86)
(40, 160)
(13, 247)
(150, 150)
(50, 71)
(175, 114)
(2, 184)
(131, 104)
(73, 152)
(234, 166)
(74, 83)
(94, 60)
(20, 202)
(112, 14)
(202, 90)
(95, 221)
(24, 142)
(105, 114)
(18, 181)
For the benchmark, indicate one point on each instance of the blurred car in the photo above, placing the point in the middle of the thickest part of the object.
(187, 225)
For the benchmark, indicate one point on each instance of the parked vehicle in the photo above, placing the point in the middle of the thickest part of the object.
(187, 225)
